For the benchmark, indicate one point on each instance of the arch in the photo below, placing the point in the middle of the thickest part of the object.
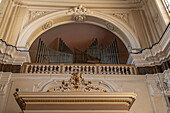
(34, 29)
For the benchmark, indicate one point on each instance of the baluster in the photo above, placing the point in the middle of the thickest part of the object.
(26, 68)
(119, 72)
(83, 69)
(31, 68)
(38, 68)
(51, 69)
(120, 68)
(107, 69)
(123, 71)
(77, 69)
(72, 69)
(99, 69)
(58, 68)
(69, 69)
(126, 72)
(111, 69)
(43, 69)
(66, 69)
(63, 69)
(114, 69)
(54, 69)
(104, 71)
(95, 69)
(131, 72)
(91, 70)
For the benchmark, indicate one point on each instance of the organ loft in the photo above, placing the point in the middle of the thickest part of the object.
(88, 56)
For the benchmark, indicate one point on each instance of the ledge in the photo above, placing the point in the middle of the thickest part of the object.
(66, 101)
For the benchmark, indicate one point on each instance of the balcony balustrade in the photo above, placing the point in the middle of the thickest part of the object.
(108, 69)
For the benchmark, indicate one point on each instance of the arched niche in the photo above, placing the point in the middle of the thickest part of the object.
(78, 14)
(78, 36)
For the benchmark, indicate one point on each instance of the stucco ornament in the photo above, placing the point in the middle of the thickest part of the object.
(79, 13)
(110, 26)
(47, 25)
(77, 83)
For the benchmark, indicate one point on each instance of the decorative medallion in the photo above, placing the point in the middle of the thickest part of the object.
(79, 18)
(76, 83)
(110, 26)
(47, 25)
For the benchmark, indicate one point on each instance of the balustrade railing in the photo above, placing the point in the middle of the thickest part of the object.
(109, 69)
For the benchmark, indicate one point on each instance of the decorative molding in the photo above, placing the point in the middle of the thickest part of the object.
(79, 18)
(77, 83)
(154, 84)
(156, 55)
(79, 13)
(70, 101)
(110, 26)
(10, 55)
(4, 80)
(166, 81)
(122, 16)
(156, 17)
(60, 77)
(79, 10)
(47, 25)
(35, 14)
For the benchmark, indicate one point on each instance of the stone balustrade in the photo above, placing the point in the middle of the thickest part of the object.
(109, 69)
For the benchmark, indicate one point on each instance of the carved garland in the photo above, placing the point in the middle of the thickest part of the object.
(76, 83)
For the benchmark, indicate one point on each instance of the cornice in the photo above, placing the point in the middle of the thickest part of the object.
(156, 55)
(87, 3)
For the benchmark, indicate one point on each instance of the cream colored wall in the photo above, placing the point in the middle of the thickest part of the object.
(145, 102)
(143, 18)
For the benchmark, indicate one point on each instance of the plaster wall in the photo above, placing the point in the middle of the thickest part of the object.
(145, 102)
